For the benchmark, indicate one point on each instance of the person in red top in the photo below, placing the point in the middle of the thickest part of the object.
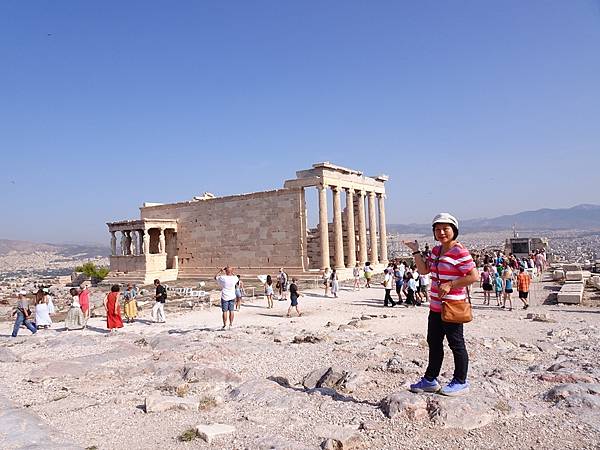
(84, 302)
(452, 271)
(113, 309)
(523, 282)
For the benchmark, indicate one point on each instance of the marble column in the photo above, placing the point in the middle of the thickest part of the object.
(350, 227)
(338, 232)
(161, 241)
(374, 255)
(383, 255)
(362, 228)
(123, 238)
(113, 243)
(323, 226)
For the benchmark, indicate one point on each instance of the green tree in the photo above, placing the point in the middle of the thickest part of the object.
(91, 270)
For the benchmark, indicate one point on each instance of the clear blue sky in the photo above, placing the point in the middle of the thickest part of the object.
(105, 105)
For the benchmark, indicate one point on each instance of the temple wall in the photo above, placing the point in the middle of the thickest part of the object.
(262, 229)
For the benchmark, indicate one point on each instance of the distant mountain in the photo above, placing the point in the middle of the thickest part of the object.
(26, 247)
(580, 217)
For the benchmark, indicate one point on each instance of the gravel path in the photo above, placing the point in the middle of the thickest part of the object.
(90, 387)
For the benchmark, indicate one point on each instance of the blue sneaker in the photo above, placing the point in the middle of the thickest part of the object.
(424, 385)
(455, 389)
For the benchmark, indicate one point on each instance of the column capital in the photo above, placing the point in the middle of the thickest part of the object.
(371, 194)
(381, 195)
(322, 186)
(335, 188)
(350, 190)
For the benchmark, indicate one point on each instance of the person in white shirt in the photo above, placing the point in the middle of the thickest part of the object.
(368, 271)
(227, 283)
(388, 282)
(356, 275)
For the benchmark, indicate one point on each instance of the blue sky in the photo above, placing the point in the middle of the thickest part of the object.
(478, 108)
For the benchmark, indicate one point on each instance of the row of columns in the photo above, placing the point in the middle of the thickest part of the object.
(376, 254)
(135, 242)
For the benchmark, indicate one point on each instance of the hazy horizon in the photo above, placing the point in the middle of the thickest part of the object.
(105, 242)
(477, 108)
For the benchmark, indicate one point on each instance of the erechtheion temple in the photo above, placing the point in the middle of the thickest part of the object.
(258, 232)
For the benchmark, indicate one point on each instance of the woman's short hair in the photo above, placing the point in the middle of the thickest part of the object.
(73, 291)
(115, 288)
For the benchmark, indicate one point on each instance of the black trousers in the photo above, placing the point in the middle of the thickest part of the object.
(388, 298)
(399, 292)
(436, 330)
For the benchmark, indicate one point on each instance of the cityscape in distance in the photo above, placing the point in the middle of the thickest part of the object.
(573, 233)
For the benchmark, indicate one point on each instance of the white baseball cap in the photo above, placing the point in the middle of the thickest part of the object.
(445, 218)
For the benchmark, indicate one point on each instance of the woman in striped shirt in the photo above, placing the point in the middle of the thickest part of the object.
(452, 269)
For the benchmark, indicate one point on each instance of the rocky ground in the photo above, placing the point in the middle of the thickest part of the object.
(334, 378)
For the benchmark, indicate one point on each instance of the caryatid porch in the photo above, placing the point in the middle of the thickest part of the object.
(146, 246)
(351, 241)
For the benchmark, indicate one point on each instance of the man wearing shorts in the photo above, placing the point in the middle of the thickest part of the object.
(227, 284)
(523, 282)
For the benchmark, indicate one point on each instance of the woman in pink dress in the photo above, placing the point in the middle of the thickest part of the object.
(113, 309)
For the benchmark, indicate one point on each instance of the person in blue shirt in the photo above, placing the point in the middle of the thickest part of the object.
(507, 276)
(399, 278)
(498, 285)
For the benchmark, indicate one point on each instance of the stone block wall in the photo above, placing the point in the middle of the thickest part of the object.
(262, 229)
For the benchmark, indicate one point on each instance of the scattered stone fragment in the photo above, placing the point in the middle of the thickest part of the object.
(195, 374)
(406, 403)
(212, 431)
(311, 380)
(160, 403)
(575, 395)
(338, 438)
(307, 338)
(565, 378)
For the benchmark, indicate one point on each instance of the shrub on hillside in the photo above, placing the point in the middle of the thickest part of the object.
(91, 270)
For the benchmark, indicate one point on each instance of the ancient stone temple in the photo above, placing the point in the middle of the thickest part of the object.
(258, 232)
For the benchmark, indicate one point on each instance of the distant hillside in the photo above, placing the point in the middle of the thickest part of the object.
(581, 217)
(26, 247)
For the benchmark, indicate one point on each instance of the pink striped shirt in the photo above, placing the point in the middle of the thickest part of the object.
(454, 264)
